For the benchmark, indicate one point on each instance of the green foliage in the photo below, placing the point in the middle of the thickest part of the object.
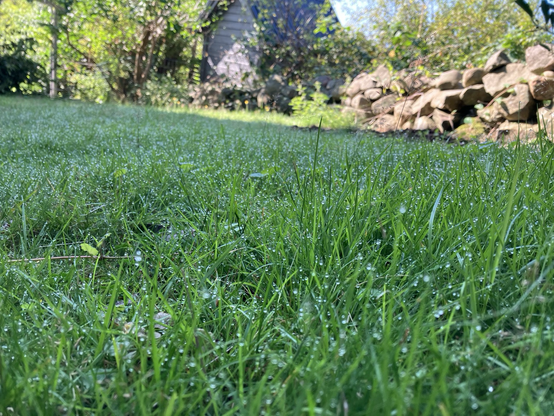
(18, 72)
(329, 49)
(309, 105)
(442, 35)
(165, 91)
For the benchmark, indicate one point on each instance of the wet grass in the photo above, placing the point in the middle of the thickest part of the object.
(267, 270)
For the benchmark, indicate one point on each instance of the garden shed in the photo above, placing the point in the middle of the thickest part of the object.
(230, 49)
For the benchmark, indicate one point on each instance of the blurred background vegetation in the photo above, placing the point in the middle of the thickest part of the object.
(150, 52)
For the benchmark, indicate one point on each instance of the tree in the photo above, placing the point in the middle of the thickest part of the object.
(128, 41)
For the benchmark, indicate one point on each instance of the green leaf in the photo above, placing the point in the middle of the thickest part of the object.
(186, 166)
(89, 249)
(270, 171)
(119, 172)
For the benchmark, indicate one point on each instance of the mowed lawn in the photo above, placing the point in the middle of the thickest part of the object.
(246, 267)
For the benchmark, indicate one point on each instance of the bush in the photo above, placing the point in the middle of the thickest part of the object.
(19, 73)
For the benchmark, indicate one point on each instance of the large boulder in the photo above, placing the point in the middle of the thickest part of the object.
(359, 102)
(497, 60)
(516, 105)
(399, 86)
(354, 88)
(373, 94)
(415, 82)
(323, 80)
(447, 100)
(274, 85)
(422, 106)
(403, 110)
(384, 105)
(540, 59)
(519, 105)
(282, 104)
(490, 114)
(424, 123)
(449, 80)
(542, 88)
(289, 91)
(508, 75)
(473, 76)
(475, 94)
(510, 131)
(264, 99)
(384, 123)
(382, 77)
(545, 117)
(367, 82)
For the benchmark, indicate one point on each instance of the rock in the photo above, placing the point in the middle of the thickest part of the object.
(367, 82)
(373, 94)
(415, 82)
(384, 123)
(383, 77)
(335, 93)
(359, 102)
(408, 125)
(475, 94)
(289, 91)
(384, 105)
(447, 100)
(283, 104)
(274, 85)
(399, 87)
(347, 101)
(508, 75)
(422, 106)
(354, 88)
(516, 106)
(323, 80)
(497, 60)
(264, 99)
(542, 88)
(519, 105)
(360, 115)
(510, 131)
(472, 77)
(490, 114)
(545, 118)
(470, 130)
(539, 59)
(548, 74)
(448, 80)
(445, 121)
(403, 110)
(424, 123)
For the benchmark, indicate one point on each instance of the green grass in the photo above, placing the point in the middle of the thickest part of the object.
(268, 270)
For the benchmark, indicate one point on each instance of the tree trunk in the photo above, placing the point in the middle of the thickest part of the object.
(54, 54)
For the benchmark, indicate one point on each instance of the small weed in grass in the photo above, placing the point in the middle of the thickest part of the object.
(247, 268)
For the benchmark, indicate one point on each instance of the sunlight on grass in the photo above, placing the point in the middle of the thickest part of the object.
(248, 268)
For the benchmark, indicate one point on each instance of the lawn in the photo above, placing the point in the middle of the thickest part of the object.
(246, 267)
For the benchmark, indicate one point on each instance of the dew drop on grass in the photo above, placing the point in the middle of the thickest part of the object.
(402, 209)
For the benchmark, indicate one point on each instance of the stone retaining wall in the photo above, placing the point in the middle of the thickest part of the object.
(498, 101)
